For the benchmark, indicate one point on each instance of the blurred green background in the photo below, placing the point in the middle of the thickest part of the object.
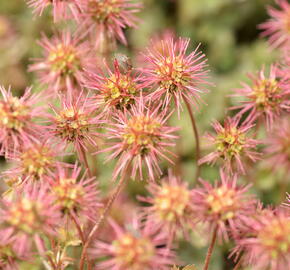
(227, 31)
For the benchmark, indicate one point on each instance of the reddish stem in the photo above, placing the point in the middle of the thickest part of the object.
(210, 248)
(102, 217)
(79, 229)
(237, 266)
(195, 132)
(85, 160)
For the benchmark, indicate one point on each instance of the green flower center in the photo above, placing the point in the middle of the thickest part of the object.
(172, 73)
(132, 252)
(230, 142)
(64, 59)
(265, 93)
(140, 133)
(13, 114)
(72, 124)
(171, 201)
(120, 91)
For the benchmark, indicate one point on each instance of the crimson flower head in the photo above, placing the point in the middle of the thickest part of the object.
(267, 96)
(223, 205)
(266, 243)
(232, 145)
(139, 247)
(17, 126)
(278, 27)
(116, 91)
(61, 9)
(278, 145)
(75, 123)
(31, 212)
(107, 19)
(140, 136)
(172, 73)
(64, 58)
(170, 205)
(74, 195)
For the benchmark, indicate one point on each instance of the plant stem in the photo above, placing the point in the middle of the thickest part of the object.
(83, 158)
(78, 227)
(195, 132)
(210, 248)
(237, 266)
(103, 217)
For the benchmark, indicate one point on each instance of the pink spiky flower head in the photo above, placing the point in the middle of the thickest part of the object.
(172, 73)
(75, 123)
(266, 97)
(139, 136)
(139, 247)
(64, 58)
(116, 91)
(12, 250)
(36, 160)
(266, 245)
(278, 27)
(232, 144)
(17, 116)
(223, 205)
(170, 205)
(75, 195)
(278, 145)
(31, 212)
(61, 9)
(108, 19)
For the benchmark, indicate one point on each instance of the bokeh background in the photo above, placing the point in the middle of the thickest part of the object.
(229, 36)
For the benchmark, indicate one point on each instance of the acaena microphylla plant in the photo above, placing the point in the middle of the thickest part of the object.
(117, 90)
(62, 9)
(75, 194)
(172, 74)
(278, 27)
(140, 136)
(76, 123)
(224, 205)
(170, 207)
(64, 57)
(267, 97)
(138, 247)
(51, 215)
(106, 20)
(17, 120)
(265, 240)
(233, 145)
